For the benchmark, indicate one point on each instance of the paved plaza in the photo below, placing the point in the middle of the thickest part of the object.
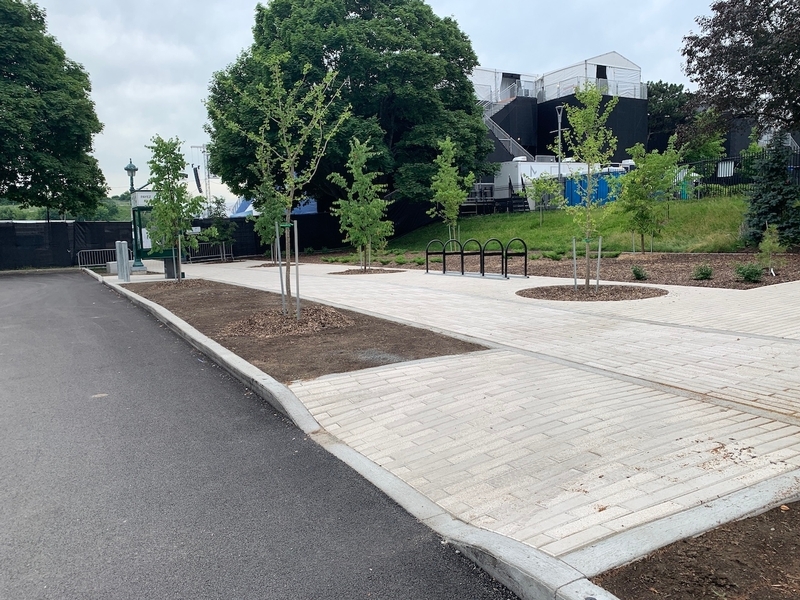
(593, 432)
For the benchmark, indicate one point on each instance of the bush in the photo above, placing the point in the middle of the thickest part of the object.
(639, 274)
(702, 272)
(749, 272)
(552, 255)
(308, 251)
(400, 259)
(384, 261)
(419, 261)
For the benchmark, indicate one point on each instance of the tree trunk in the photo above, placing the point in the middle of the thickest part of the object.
(287, 237)
(641, 234)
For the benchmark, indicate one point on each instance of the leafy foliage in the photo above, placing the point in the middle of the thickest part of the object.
(702, 137)
(289, 128)
(47, 120)
(542, 189)
(361, 214)
(590, 142)
(668, 107)
(642, 189)
(768, 248)
(749, 272)
(450, 189)
(744, 60)
(775, 199)
(406, 80)
(639, 274)
(702, 272)
(173, 206)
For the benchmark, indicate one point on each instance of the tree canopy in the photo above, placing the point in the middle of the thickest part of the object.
(405, 77)
(668, 108)
(47, 119)
(746, 60)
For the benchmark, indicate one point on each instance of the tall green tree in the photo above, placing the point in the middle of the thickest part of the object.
(47, 119)
(406, 80)
(291, 122)
(591, 142)
(362, 213)
(645, 188)
(668, 108)
(745, 60)
(173, 206)
(450, 189)
(775, 199)
(702, 137)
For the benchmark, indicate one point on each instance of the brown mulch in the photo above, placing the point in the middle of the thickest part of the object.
(603, 293)
(325, 340)
(659, 268)
(752, 559)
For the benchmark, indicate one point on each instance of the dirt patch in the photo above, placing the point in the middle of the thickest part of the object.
(325, 340)
(753, 559)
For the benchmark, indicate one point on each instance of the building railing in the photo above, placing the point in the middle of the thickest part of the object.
(509, 143)
(609, 87)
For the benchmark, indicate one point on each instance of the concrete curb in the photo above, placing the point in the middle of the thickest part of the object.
(526, 571)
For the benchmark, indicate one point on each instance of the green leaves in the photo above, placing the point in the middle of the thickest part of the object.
(361, 214)
(173, 206)
(47, 120)
(450, 190)
(404, 72)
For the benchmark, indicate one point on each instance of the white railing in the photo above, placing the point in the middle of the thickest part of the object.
(568, 87)
(99, 258)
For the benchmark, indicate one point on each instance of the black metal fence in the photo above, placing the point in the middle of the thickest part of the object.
(729, 175)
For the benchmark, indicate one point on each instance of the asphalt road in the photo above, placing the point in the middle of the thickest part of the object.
(132, 467)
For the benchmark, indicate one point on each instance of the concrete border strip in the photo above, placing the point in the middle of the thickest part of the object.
(628, 546)
(525, 570)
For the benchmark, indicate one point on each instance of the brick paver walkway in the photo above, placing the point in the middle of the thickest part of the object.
(580, 420)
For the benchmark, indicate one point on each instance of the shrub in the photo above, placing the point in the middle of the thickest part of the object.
(308, 251)
(749, 272)
(552, 255)
(702, 272)
(384, 261)
(639, 274)
(400, 259)
(419, 260)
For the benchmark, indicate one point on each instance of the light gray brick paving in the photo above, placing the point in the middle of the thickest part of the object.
(544, 439)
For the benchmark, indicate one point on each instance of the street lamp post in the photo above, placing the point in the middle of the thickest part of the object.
(137, 260)
(559, 112)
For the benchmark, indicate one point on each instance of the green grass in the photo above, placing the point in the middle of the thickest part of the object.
(707, 225)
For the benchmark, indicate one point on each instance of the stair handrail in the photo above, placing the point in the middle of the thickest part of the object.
(508, 142)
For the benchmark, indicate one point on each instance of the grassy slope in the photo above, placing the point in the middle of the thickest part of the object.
(708, 225)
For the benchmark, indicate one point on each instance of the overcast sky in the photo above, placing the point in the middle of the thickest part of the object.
(150, 61)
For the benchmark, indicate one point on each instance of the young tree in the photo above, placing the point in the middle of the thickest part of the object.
(653, 180)
(542, 188)
(702, 137)
(361, 215)
(450, 189)
(221, 229)
(47, 120)
(173, 206)
(744, 60)
(407, 83)
(590, 142)
(290, 129)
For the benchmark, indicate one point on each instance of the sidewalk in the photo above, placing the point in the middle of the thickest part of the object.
(592, 432)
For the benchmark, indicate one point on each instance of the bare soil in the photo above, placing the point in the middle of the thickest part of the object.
(325, 340)
(752, 559)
